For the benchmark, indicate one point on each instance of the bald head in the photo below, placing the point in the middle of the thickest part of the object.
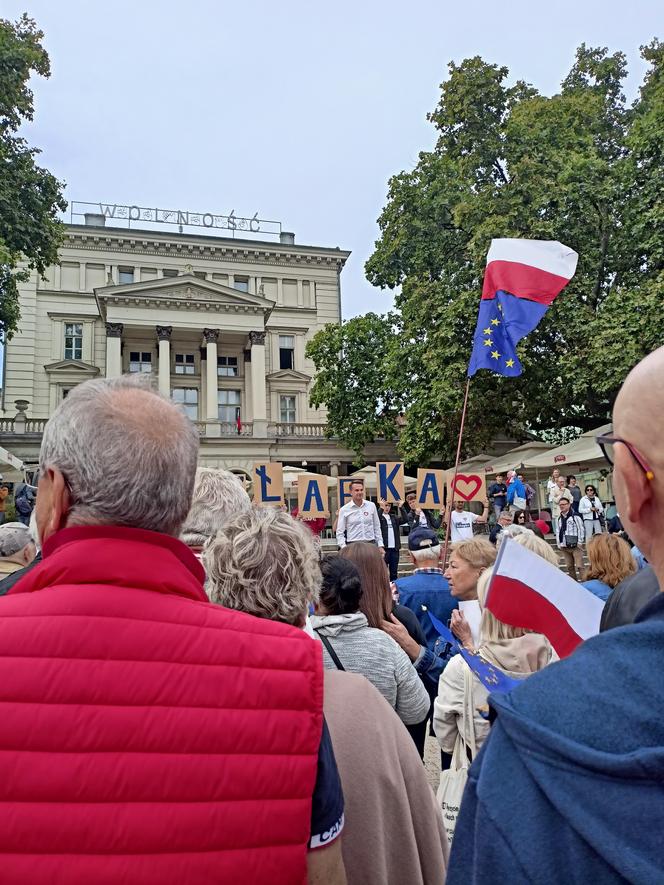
(638, 418)
(638, 413)
(116, 453)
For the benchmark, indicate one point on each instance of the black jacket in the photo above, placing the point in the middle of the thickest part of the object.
(432, 521)
(395, 528)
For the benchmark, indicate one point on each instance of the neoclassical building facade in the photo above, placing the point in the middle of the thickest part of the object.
(220, 323)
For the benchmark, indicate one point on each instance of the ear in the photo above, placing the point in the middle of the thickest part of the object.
(637, 490)
(59, 501)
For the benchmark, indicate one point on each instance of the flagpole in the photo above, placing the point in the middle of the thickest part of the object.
(448, 522)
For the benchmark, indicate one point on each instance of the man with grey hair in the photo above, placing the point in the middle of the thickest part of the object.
(218, 496)
(137, 696)
(17, 548)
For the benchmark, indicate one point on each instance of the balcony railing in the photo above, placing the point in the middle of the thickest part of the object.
(283, 428)
(227, 429)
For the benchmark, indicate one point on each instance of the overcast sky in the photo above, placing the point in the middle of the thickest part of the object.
(299, 111)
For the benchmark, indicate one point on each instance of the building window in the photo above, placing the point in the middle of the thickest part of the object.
(125, 275)
(187, 397)
(287, 409)
(227, 367)
(185, 364)
(66, 391)
(241, 284)
(73, 341)
(140, 361)
(200, 274)
(286, 351)
(229, 405)
(170, 272)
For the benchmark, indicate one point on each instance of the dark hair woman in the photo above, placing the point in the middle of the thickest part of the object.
(520, 517)
(350, 643)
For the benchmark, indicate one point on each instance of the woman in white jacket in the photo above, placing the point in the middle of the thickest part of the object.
(515, 651)
(590, 510)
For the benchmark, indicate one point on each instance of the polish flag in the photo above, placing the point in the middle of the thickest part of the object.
(527, 591)
(537, 270)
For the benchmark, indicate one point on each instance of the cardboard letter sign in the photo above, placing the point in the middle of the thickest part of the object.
(343, 490)
(390, 480)
(268, 480)
(468, 487)
(430, 488)
(312, 495)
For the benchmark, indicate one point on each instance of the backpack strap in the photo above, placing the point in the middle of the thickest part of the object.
(332, 653)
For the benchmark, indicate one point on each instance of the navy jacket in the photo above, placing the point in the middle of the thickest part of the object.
(569, 786)
(431, 590)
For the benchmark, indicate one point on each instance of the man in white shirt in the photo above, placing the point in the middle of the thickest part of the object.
(358, 519)
(461, 522)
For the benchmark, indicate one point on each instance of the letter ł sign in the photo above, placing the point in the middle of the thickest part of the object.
(268, 483)
(468, 487)
(390, 480)
(430, 488)
(343, 490)
(312, 495)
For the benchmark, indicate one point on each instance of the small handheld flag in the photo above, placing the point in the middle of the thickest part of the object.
(522, 279)
(491, 677)
(526, 591)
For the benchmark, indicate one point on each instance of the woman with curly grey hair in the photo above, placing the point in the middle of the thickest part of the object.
(263, 562)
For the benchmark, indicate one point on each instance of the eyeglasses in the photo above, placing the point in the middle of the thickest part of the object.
(606, 442)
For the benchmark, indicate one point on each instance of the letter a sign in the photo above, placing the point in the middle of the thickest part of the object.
(268, 480)
(312, 495)
(430, 488)
(390, 480)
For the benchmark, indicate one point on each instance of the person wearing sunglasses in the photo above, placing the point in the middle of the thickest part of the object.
(581, 743)
(591, 511)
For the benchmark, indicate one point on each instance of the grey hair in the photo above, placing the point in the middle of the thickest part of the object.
(513, 531)
(127, 454)
(265, 563)
(426, 553)
(218, 496)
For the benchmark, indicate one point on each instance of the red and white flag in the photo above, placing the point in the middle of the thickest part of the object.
(527, 591)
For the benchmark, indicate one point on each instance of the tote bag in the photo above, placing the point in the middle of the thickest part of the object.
(519, 502)
(453, 781)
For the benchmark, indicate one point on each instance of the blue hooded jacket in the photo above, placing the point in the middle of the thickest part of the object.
(515, 489)
(569, 786)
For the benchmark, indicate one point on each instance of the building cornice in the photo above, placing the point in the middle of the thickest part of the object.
(226, 251)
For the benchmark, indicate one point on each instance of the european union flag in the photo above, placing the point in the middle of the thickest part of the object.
(502, 322)
(522, 279)
(491, 677)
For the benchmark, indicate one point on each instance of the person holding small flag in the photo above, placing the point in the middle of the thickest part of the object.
(568, 787)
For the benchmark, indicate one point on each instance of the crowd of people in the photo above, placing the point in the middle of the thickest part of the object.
(195, 692)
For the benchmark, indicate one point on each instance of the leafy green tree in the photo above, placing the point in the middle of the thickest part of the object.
(30, 197)
(580, 167)
(350, 381)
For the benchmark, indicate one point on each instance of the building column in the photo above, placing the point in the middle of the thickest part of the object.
(248, 407)
(211, 336)
(164, 366)
(258, 396)
(114, 349)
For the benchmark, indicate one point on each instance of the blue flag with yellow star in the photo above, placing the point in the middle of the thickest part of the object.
(521, 280)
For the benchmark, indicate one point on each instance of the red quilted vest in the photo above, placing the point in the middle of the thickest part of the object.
(147, 736)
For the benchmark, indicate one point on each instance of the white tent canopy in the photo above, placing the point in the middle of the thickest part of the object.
(516, 457)
(291, 475)
(583, 450)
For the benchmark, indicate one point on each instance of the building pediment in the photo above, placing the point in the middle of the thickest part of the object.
(72, 367)
(186, 292)
(289, 375)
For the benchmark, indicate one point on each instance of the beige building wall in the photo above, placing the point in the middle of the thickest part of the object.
(302, 281)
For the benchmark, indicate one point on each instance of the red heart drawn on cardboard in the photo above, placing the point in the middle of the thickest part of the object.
(473, 484)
